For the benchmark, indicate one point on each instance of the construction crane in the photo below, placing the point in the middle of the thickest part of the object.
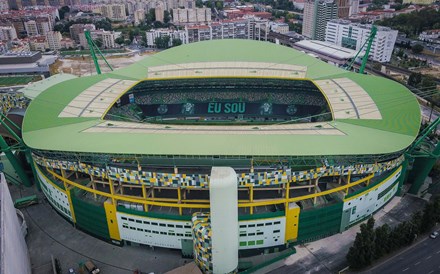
(367, 43)
(93, 49)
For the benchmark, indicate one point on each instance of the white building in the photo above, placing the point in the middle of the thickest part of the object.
(31, 27)
(107, 38)
(67, 43)
(54, 40)
(354, 35)
(159, 12)
(279, 27)
(139, 16)
(173, 34)
(4, 5)
(38, 43)
(198, 15)
(7, 33)
(243, 28)
(354, 7)
(114, 12)
(430, 35)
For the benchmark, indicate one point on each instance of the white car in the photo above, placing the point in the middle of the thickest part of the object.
(434, 235)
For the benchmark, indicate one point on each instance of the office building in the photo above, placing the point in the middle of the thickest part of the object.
(354, 35)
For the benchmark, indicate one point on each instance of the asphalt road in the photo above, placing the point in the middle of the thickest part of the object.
(424, 257)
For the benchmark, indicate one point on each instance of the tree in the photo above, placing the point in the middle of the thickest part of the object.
(119, 40)
(104, 24)
(199, 3)
(295, 27)
(162, 42)
(361, 254)
(381, 241)
(98, 42)
(417, 48)
(151, 16)
(400, 53)
(176, 42)
(166, 16)
(414, 79)
(219, 5)
(428, 82)
(62, 11)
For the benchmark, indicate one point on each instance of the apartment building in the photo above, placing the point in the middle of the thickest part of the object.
(187, 16)
(316, 15)
(54, 40)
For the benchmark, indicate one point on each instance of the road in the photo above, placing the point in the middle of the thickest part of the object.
(423, 257)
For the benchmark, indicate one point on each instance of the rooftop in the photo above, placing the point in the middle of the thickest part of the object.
(327, 49)
(392, 128)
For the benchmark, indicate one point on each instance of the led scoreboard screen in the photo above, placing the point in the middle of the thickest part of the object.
(221, 109)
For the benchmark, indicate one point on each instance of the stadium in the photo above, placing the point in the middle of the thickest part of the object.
(127, 155)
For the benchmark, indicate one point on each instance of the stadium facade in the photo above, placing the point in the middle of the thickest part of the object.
(127, 155)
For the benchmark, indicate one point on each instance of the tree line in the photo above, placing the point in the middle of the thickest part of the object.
(373, 243)
(415, 22)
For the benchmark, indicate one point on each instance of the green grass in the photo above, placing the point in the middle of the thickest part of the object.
(17, 80)
(87, 52)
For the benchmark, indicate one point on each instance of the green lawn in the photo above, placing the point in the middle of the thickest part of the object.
(17, 80)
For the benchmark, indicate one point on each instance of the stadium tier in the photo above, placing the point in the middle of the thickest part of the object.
(127, 155)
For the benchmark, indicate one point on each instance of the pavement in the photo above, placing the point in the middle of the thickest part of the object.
(50, 234)
(328, 255)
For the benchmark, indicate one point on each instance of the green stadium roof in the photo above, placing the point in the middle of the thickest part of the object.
(43, 129)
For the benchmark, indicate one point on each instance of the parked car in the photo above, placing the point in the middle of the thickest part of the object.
(434, 235)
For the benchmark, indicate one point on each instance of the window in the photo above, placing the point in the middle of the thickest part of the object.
(140, 229)
(162, 225)
(187, 226)
(277, 223)
(152, 223)
(268, 224)
(163, 233)
(155, 232)
(276, 231)
(251, 234)
(131, 227)
(146, 222)
(124, 218)
(179, 226)
(242, 226)
(179, 234)
(243, 234)
(253, 225)
(131, 220)
(242, 243)
(260, 224)
(170, 225)
(260, 233)
(125, 226)
(139, 221)
(147, 230)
